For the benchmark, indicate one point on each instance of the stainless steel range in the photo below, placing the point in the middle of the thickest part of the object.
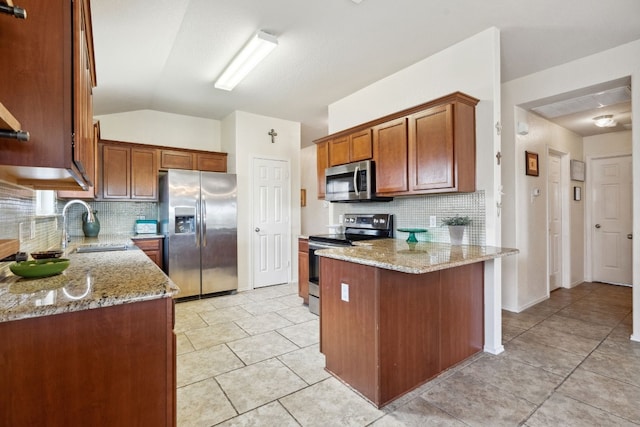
(357, 227)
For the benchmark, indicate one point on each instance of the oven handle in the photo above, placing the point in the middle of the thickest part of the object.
(355, 180)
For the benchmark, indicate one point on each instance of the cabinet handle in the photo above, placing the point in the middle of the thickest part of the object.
(630, 236)
(16, 11)
(19, 135)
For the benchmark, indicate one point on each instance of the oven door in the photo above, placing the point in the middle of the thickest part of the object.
(314, 272)
(351, 182)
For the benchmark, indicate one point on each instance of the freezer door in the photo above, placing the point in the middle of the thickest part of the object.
(219, 232)
(183, 239)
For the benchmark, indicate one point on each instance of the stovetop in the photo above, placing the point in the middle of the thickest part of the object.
(360, 227)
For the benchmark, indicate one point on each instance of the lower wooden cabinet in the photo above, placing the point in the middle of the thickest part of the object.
(152, 247)
(109, 366)
(303, 269)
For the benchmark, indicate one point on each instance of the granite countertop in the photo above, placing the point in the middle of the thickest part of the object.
(93, 280)
(423, 257)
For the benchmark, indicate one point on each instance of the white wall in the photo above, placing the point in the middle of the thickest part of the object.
(532, 220)
(605, 66)
(248, 133)
(159, 128)
(473, 67)
(314, 215)
(608, 144)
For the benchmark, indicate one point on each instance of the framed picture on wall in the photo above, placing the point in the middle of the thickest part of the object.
(532, 163)
(577, 170)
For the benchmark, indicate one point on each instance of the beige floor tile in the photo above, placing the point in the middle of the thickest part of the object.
(260, 383)
(263, 323)
(613, 396)
(521, 380)
(478, 403)
(307, 362)
(188, 320)
(550, 359)
(262, 307)
(610, 319)
(202, 364)
(271, 414)
(522, 320)
(303, 334)
(577, 327)
(230, 300)
(544, 334)
(299, 314)
(418, 413)
(257, 348)
(183, 345)
(510, 332)
(225, 314)
(194, 306)
(218, 333)
(202, 404)
(330, 403)
(623, 366)
(563, 411)
(292, 300)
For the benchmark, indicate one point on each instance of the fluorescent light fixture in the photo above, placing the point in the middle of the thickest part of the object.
(605, 121)
(246, 60)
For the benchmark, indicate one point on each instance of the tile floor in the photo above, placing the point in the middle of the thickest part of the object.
(252, 359)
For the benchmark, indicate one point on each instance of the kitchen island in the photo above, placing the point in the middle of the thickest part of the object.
(91, 346)
(394, 315)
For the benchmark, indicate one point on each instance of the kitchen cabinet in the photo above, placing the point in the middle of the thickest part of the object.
(47, 80)
(152, 247)
(322, 162)
(405, 328)
(429, 148)
(91, 191)
(350, 148)
(193, 160)
(303, 269)
(390, 156)
(109, 366)
(129, 172)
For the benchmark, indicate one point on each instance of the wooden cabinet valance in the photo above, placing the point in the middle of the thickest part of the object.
(429, 148)
(193, 160)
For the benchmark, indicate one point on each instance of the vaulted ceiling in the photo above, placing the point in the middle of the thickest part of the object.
(165, 54)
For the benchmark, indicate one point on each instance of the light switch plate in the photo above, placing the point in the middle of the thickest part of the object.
(344, 292)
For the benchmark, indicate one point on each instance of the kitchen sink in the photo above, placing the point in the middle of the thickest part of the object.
(101, 247)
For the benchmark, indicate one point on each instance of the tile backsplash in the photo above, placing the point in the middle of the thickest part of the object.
(414, 212)
(114, 217)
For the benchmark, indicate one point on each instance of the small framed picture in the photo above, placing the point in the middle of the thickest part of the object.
(577, 193)
(577, 170)
(532, 163)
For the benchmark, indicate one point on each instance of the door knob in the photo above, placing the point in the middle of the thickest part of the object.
(598, 226)
(629, 236)
(257, 229)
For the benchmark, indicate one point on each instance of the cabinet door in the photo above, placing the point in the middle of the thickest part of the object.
(116, 172)
(303, 270)
(172, 159)
(339, 151)
(144, 174)
(152, 248)
(360, 146)
(322, 162)
(390, 155)
(215, 162)
(431, 160)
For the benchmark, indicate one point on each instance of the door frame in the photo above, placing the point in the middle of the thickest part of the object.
(589, 224)
(252, 239)
(565, 218)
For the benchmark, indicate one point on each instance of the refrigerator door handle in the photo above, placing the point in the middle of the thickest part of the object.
(203, 205)
(198, 219)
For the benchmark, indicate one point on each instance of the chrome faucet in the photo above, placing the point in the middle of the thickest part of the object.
(90, 218)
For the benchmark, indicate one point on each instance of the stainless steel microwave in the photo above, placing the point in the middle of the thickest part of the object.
(353, 182)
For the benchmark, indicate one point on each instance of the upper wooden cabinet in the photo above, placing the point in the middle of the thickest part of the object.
(350, 148)
(47, 79)
(128, 172)
(322, 162)
(430, 148)
(91, 192)
(193, 160)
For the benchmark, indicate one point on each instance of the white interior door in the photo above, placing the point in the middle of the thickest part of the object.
(271, 222)
(555, 221)
(612, 222)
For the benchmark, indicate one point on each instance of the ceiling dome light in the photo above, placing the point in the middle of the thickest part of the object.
(605, 121)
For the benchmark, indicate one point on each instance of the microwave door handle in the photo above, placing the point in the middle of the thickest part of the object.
(355, 180)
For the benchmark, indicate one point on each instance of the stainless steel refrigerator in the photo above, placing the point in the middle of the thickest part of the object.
(198, 217)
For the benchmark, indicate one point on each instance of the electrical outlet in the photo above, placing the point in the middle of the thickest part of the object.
(432, 221)
(344, 294)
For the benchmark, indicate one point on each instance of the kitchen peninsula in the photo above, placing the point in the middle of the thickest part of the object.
(94, 345)
(394, 315)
